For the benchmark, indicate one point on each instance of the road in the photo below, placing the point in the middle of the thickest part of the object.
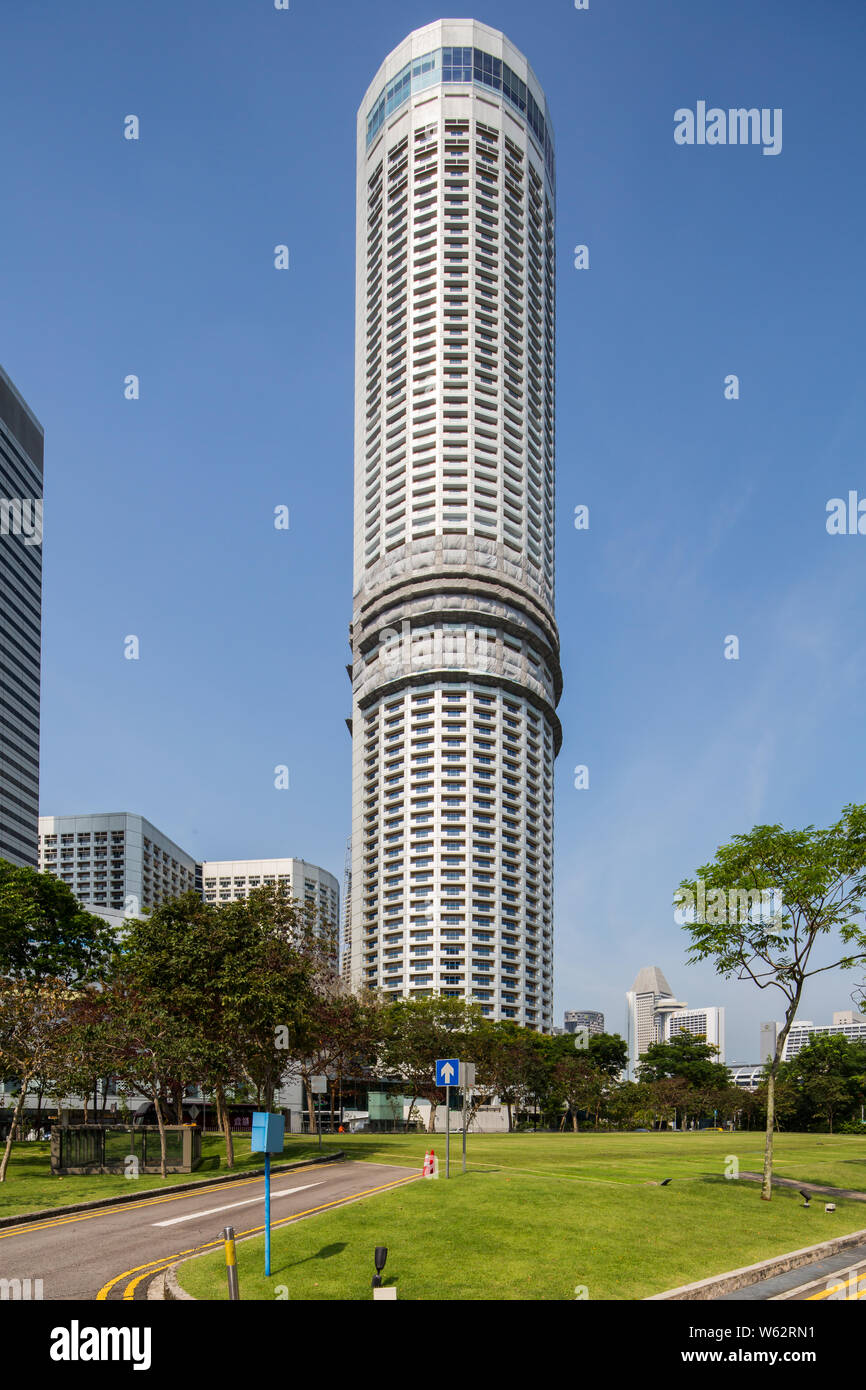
(113, 1253)
(835, 1277)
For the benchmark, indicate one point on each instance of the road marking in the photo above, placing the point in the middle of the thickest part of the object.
(846, 1284)
(48, 1223)
(129, 1291)
(212, 1211)
(155, 1266)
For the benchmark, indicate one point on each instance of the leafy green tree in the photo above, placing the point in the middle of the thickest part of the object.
(685, 1056)
(630, 1105)
(150, 1050)
(608, 1053)
(830, 1076)
(580, 1085)
(817, 879)
(500, 1051)
(33, 1017)
(82, 1057)
(238, 978)
(45, 933)
(418, 1031)
(671, 1095)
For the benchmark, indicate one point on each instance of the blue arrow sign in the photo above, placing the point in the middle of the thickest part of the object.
(447, 1071)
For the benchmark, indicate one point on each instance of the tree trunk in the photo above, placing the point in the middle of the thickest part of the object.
(161, 1123)
(224, 1125)
(574, 1121)
(510, 1122)
(431, 1127)
(767, 1182)
(308, 1087)
(13, 1128)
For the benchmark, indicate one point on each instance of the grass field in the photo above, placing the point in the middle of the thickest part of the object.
(537, 1216)
(30, 1185)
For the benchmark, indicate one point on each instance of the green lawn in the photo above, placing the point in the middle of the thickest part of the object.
(538, 1215)
(30, 1186)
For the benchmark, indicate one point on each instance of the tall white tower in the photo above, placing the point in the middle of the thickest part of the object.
(455, 652)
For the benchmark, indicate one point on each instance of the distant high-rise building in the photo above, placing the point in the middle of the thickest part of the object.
(583, 1018)
(227, 880)
(346, 936)
(846, 1024)
(769, 1038)
(117, 864)
(654, 1015)
(707, 1023)
(649, 1001)
(21, 459)
(455, 651)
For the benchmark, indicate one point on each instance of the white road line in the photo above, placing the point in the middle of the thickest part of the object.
(212, 1211)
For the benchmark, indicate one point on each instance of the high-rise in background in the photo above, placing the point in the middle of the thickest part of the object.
(21, 456)
(455, 651)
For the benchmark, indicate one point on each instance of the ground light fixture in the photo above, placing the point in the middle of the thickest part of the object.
(805, 1196)
(664, 1182)
(380, 1255)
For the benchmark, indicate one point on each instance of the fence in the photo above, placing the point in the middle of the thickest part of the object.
(103, 1149)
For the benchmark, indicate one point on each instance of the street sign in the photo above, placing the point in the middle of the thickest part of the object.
(447, 1072)
(319, 1085)
(467, 1075)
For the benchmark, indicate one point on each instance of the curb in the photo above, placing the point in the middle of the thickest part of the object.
(106, 1203)
(707, 1289)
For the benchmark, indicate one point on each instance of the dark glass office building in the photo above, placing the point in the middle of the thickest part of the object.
(21, 447)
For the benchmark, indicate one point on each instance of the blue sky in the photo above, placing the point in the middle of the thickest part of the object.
(707, 516)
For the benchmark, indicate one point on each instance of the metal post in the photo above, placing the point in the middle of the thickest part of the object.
(318, 1104)
(267, 1216)
(448, 1131)
(231, 1265)
(464, 1129)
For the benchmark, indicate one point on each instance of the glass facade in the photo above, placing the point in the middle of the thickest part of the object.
(463, 65)
(21, 454)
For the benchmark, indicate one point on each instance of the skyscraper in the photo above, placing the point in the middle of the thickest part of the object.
(21, 452)
(455, 651)
(655, 1016)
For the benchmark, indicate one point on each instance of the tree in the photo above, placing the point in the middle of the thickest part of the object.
(815, 880)
(671, 1094)
(685, 1056)
(149, 1048)
(45, 933)
(238, 980)
(500, 1051)
(608, 1053)
(830, 1076)
(416, 1033)
(32, 1019)
(630, 1104)
(580, 1084)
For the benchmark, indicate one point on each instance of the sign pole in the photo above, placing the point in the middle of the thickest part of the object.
(464, 1129)
(448, 1131)
(267, 1216)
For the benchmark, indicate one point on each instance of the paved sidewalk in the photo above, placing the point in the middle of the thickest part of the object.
(811, 1187)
